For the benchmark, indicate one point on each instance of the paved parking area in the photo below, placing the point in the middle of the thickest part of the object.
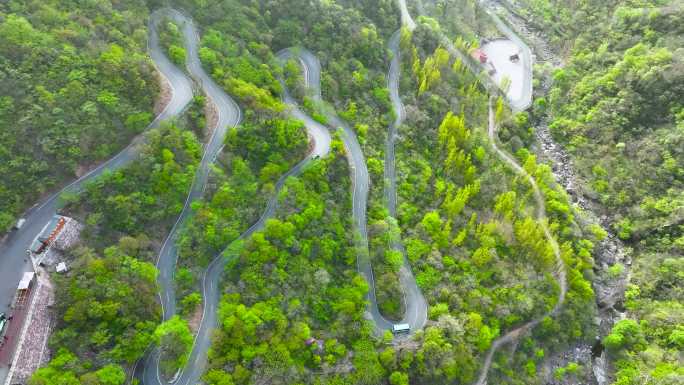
(499, 53)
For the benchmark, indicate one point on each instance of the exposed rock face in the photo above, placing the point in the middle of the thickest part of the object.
(609, 288)
(581, 354)
(599, 369)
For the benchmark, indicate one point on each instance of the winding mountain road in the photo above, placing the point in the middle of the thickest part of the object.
(416, 314)
(416, 305)
(229, 115)
(359, 175)
(312, 80)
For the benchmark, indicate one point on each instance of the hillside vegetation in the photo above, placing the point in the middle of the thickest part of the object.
(492, 245)
(76, 85)
(618, 108)
(106, 306)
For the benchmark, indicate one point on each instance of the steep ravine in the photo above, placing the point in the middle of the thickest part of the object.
(609, 290)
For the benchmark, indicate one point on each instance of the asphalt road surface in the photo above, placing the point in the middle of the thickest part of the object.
(415, 303)
(406, 19)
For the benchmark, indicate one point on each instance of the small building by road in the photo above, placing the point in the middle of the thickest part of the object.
(60, 234)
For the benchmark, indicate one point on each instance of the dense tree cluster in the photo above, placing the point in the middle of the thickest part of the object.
(171, 38)
(465, 213)
(175, 341)
(293, 303)
(256, 154)
(561, 21)
(76, 86)
(146, 195)
(108, 316)
(463, 19)
(618, 107)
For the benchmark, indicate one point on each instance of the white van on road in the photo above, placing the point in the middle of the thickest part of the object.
(19, 223)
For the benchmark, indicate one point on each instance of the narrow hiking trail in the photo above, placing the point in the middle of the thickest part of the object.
(543, 221)
(609, 290)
